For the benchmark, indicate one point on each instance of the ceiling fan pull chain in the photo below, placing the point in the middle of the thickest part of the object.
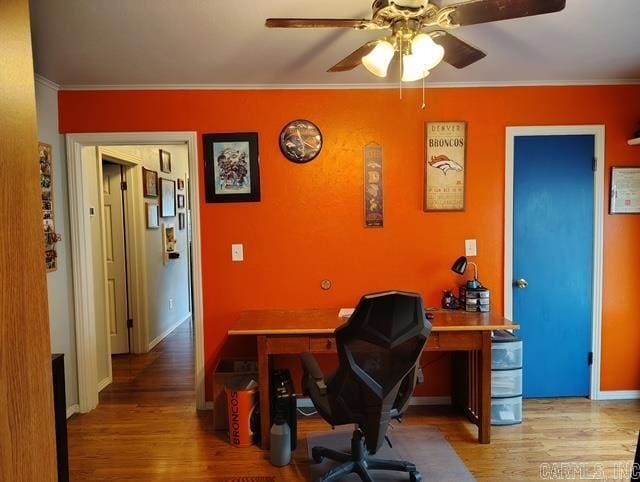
(424, 105)
(400, 67)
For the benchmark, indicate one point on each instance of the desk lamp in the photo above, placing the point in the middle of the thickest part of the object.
(460, 266)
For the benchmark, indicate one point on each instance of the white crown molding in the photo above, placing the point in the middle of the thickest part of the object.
(353, 86)
(46, 82)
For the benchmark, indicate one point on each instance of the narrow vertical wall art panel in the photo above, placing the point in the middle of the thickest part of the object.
(373, 187)
(445, 166)
(46, 184)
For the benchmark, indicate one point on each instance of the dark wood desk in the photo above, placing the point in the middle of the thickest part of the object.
(282, 332)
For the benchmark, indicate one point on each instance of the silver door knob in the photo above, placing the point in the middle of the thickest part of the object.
(522, 283)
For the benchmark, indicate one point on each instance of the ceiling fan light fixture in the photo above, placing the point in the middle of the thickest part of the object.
(378, 60)
(413, 68)
(429, 52)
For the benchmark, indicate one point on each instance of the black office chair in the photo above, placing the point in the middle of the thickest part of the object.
(379, 349)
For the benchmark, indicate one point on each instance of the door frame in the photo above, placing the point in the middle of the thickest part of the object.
(82, 253)
(598, 132)
(135, 251)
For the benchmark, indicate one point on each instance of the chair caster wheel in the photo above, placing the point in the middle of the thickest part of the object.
(315, 454)
(415, 476)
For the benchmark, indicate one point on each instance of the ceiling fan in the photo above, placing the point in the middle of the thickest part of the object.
(419, 32)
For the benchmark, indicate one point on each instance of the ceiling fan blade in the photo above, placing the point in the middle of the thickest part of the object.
(316, 22)
(457, 52)
(482, 11)
(354, 59)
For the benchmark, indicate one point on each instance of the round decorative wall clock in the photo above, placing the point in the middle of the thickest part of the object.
(300, 141)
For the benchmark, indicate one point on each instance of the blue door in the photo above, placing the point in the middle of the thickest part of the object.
(553, 255)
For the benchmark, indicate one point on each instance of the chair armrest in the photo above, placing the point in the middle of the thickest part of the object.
(312, 369)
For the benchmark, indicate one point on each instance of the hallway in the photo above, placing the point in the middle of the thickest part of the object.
(146, 429)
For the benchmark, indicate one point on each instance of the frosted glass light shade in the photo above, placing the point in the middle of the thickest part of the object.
(412, 68)
(377, 61)
(429, 52)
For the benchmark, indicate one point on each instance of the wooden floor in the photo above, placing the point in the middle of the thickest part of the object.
(146, 429)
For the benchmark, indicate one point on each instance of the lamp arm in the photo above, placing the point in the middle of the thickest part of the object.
(475, 270)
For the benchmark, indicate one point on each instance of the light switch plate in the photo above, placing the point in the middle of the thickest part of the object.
(470, 247)
(237, 252)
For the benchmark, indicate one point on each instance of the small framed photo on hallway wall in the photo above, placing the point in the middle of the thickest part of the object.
(167, 198)
(165, 161)
(149, 183)
(153, 222)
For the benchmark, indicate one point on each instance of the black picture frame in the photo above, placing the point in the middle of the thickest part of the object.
(236, 179)
(165, 161)
(167, 198)
(149, 183)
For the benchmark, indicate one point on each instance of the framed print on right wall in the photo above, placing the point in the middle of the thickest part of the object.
(232, 167)
(445, 166)
(625, 190)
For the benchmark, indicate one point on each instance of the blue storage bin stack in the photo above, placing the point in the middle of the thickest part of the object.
(506, 378)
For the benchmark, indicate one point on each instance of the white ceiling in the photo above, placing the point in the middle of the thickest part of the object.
(224, 43)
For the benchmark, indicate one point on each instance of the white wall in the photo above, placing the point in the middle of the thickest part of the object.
(59, 282)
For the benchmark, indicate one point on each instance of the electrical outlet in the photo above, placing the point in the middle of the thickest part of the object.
(170, 303)
(237, 252)
(420, 377)
(470, 247)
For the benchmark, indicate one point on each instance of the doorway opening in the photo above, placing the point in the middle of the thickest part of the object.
(521, 242)
(133, 283)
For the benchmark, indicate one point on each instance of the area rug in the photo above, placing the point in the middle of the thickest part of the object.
(424, 446)
(246, 479)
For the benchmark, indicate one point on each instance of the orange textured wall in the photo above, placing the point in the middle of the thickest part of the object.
(309, 225)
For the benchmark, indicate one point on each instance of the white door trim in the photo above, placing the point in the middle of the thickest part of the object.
(81, 252)
(598, 131)
(136, 249)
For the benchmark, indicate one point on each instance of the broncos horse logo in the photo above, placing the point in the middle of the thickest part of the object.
(445, 164)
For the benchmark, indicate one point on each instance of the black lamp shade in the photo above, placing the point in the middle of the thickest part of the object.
(460, 265)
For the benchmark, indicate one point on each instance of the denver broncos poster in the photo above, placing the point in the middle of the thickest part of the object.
(445, 166)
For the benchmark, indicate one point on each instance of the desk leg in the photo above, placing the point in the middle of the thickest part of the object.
(484, 421)
(265, 398)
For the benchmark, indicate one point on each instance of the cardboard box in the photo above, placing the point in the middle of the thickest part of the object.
(226, 369)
